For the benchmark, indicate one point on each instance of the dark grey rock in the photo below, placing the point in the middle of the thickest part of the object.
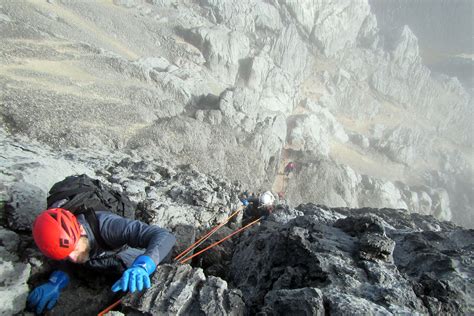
(216, 299)
(183, 290)
(26, 202)
(376, 246)
(358, 226)
(360, 140)
(219, 83)
(346, 304)
(441, 264)
(305, 301)
(14, 274)
(365, 264)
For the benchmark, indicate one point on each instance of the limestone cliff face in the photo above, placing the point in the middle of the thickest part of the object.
(239, 88)
(183, 103)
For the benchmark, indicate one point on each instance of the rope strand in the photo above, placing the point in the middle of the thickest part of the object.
(206, 236)
(220, 241)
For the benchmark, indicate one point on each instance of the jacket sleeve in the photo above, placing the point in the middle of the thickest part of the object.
(118, 231)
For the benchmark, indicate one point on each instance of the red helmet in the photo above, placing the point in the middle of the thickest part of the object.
(56, 233)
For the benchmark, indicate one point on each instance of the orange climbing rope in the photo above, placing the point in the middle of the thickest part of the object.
(108, 309)
(195, 245)
(207, 235)
(220, 241)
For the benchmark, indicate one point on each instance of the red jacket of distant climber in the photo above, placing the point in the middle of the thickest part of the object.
(290, 167)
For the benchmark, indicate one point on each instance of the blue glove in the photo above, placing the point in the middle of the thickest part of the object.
(137, 276)
(244, 202)
(47, 295)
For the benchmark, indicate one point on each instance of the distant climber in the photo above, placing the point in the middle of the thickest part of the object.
(281, 198)
(256, 207)
(289, 168)
(130, 247)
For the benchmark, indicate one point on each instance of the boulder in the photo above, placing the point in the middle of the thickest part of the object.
(222, 48)
(404, 145)
(359, 140)
(305, 301)
(291, 54)
(380, 193)
(26, 202)
(336, 24)
(181, 290)
(359, 264)
(313, 132)
(14, 273)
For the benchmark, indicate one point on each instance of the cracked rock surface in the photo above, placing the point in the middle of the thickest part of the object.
(184, 104)
(365, 263)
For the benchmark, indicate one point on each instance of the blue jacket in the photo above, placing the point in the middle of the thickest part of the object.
(128, 238)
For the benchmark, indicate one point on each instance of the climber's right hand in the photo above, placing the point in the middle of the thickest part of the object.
(137, 277)
(47, 295)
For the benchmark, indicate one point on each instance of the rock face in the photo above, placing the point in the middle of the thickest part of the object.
(179, 198)
(306, 301)
(404, 145)
(182, 290)
(234, 88)
(14, 273)
(344, 187)
(331, 25)
(310, 259)
(184, 104)
(222, 49)
(313, 132)
(364, 263)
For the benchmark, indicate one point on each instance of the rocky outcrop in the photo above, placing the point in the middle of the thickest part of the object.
(14, 273)
(457, 182)
(332, 25)
(404, 145)
(165, 100)
(311, 259)
(222, 49)
(363, 263)
(220, 83)
(182, 290)
(377, 193)
(433, 24)
(179, 198)
(313, 132)
(405, 79)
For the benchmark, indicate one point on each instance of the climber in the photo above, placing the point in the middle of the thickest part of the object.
(256, 207)
(281, 198)
(127, 246)
(290, 167)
